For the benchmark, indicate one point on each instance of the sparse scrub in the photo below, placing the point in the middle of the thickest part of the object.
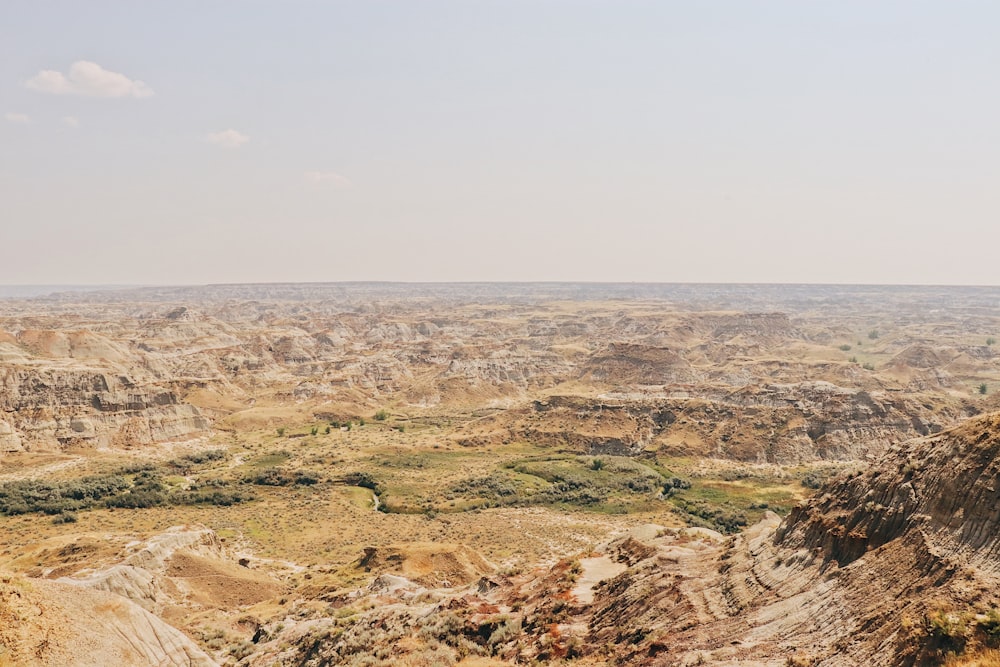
(140, 491)
(281, 477)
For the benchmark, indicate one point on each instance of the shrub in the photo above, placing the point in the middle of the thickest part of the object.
(596, 464)
(982, 388)
(381, 415)
(362, 479)
(873, 334)
(991, 341)
(281, 431)
(845, 347)
(280, 477)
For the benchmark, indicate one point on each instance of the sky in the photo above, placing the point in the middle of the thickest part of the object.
(220, 141)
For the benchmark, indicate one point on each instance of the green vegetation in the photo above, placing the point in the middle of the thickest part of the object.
(381, 415)
(120, 490)
(281, 431)
(873, 334)
(991, 341)
(280, 477)
(868, 366)
(272, 459)
(983, 388)
(185, 464)
(845, 347)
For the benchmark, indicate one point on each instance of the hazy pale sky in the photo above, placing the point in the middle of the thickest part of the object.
(192, 141)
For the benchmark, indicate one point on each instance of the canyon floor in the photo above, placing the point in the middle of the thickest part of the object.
(488, 474)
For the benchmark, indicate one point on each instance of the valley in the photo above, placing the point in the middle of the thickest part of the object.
(499, 474)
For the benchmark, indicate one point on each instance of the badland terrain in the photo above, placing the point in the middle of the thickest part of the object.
(500, 474)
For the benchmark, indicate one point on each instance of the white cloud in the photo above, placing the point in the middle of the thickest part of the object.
(16, 117)
(71, 121)
(227, 138)
(88, 79)
(328, 178)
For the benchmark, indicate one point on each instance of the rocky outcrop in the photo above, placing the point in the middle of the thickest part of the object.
(49, 406)
(51, 624)
(896, 566)
(785, 424)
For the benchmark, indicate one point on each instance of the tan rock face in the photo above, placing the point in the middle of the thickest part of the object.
(854, 576)
(46, 623)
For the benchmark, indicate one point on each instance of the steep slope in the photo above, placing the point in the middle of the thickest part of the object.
(46, 623)
(896, 566)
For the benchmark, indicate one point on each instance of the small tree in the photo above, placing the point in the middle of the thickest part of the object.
(982, 388)
(314, 430)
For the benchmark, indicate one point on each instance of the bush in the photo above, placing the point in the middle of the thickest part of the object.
(280, 477)
(845, 347)
(873, 334)
(214, 497)
(381, 415)
(362, 479)
(982, 388)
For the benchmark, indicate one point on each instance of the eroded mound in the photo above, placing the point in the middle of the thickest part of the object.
(46, 623)
(430, 565)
